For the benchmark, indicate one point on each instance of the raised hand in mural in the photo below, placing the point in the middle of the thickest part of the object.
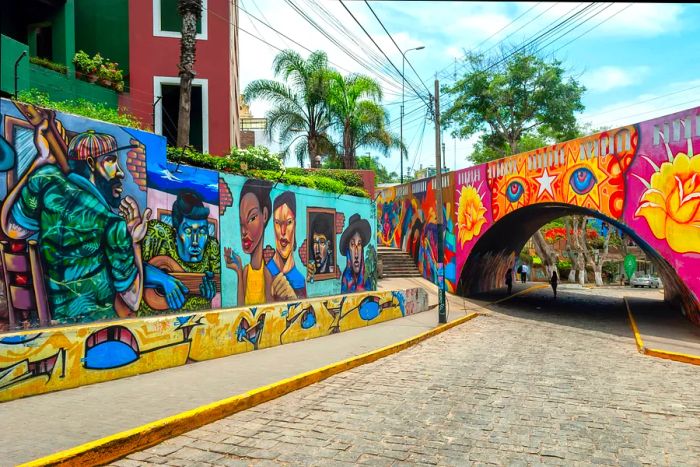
(42, 145)
(208, 287)
(310, 271)
(281, 288)
(135, 223)
(233, 261)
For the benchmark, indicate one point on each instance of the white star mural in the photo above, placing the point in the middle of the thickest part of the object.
(545, 181)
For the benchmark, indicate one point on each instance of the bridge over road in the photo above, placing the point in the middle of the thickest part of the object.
(643, 179)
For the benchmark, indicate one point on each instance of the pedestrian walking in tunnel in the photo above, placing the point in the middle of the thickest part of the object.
(554, 281)
(523, 270)
(509, 280)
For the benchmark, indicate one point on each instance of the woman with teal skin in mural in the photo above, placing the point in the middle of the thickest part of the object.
(254, 208)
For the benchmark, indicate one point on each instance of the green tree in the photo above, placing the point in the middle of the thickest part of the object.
(300, 113)
(518, 102)
(526, 97)
(355, 104)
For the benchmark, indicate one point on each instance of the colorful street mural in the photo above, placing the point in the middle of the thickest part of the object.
(36, 362)
(95, 224)
(645, 177)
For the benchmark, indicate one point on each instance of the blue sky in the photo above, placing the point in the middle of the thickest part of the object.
(639, 61)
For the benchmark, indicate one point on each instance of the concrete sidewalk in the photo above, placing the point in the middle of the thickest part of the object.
(40, 425)
(663, 328)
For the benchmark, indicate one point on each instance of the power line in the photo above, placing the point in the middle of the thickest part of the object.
(342, 47)
(382, 51)
(397, 47)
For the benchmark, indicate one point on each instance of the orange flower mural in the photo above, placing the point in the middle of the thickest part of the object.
(470, 214)
(671, 202)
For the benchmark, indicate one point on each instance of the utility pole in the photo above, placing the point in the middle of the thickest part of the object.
(442, 310)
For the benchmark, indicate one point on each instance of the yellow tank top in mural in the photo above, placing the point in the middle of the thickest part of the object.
(255, 286)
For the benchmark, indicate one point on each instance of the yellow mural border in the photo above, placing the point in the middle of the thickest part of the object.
(666, 354)
(113, 447)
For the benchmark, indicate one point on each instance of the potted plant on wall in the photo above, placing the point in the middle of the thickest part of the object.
(82, 62)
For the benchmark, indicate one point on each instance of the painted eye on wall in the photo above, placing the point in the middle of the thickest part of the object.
(308, 319)
(515, 191)
(582, 180)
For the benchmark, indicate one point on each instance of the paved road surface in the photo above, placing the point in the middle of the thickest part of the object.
(533, 382)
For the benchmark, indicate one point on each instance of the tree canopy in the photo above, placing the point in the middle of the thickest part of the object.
(300, 112)
(316, 103)
(524, 99)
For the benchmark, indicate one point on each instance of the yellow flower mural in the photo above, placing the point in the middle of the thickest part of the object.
(470, 214)
(671, 203)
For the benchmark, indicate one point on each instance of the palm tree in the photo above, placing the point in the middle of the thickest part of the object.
(300, 111)
(191, 12)
(358, 115)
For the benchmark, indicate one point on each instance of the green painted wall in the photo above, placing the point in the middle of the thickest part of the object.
(103, 27)
(60, 87)
(10, 50)
(63, 32)
(170, 19)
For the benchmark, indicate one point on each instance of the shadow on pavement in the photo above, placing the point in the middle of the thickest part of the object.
(600, 310)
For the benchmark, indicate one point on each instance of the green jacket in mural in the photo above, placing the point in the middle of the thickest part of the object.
(88, 253)
(160, 241)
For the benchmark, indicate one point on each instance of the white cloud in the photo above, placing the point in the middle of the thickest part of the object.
(610, 77)
(671, 98)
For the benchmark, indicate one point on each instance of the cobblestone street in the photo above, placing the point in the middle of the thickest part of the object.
(518, 386)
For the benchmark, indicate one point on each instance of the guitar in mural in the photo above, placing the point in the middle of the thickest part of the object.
(155, 298)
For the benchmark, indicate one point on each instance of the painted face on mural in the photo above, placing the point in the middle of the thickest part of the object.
(320, 248)
(253, 221)
(355, 247)
(285, 225)
(192, 237)
(108, 177)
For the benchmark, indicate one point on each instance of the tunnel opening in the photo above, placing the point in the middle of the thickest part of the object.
(496, 251)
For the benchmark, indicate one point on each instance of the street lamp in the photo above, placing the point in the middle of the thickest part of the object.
(403, 67)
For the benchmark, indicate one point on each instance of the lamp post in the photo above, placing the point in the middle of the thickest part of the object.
(24, 52)
(403, 73)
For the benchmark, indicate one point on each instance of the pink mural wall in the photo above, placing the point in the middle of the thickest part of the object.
(644, 177)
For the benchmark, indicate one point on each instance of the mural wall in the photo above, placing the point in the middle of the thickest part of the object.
(95, 224)
(646, 177)
(35, 362)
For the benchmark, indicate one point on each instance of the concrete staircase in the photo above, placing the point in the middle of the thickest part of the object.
(397, 263)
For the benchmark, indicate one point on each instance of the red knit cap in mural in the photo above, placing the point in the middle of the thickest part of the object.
(91, 144)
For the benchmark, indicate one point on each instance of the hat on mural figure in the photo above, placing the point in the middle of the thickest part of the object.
(355, 224)
(91, 144)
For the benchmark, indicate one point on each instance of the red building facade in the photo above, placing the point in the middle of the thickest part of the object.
(154, 52)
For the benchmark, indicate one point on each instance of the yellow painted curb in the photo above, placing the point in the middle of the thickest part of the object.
(667, 354)
(633, 325)
(113, 447)
(522, 292)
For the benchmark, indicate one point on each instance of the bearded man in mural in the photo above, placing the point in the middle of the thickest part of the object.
(185, 247)
(287, 283)
(91, 254)
(352, 244)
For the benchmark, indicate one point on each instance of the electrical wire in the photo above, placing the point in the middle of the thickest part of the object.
(382, 51)
(397, 47)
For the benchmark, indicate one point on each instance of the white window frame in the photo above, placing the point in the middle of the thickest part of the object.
(159, 81)
(158, 32)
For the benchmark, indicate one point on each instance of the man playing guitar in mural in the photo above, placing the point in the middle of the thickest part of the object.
(70, 197)
(185, 256)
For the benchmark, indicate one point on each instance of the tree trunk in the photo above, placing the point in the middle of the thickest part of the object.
(349, 161)
(546, 252)
(569, 252)
(191, 11)
(312, 147)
